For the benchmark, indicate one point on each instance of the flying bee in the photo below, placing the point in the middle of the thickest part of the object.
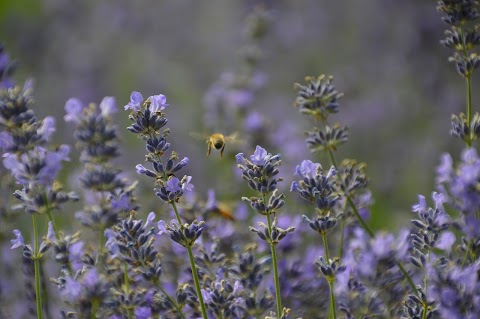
(218, 141)
(221, 212)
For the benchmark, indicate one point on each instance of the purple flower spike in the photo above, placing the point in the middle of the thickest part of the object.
(136, 100)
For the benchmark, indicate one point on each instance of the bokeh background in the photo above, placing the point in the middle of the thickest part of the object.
(385, 56)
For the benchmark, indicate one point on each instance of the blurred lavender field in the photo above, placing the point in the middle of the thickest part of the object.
(175, 72)
(384, 56)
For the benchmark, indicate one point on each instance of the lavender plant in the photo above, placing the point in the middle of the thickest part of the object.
(260, 172)
(34, 167)
(148, 123)
(204, 262)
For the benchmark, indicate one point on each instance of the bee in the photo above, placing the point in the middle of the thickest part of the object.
(221, 212)
(218, 141)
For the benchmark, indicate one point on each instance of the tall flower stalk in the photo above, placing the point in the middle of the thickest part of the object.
(318, 99)
(430, 226)
(260, 171)
(463, 38)
(25, 155)
(149, 119)
(97, 140)
(319, 188)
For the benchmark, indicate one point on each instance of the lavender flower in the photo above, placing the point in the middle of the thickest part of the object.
(318, 97)
(315, 186)
(37, 166)
(260, 170)
(97, 138)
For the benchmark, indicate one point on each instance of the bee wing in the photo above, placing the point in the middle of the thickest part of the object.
(235, 139)
(198, 136)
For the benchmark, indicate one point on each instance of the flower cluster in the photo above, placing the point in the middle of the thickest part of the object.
(97, 139)
(147, 124)
(463, 38)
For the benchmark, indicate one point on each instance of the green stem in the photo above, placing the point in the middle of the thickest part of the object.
(369, 231)
(95, 305)
(469, 90)
(197, 282)
(174, 303)
(407, 276)
(331, 285)
(126, 282)
(359, 218)
(342, 230)
(190, 256)
(469, 108)
(325, 247)
(36, 262)
(193, 268)
(332, 308)
(350, 202)
(101, 247)
(275, 270)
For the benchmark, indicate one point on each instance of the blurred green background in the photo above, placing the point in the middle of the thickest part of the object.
(385, 56)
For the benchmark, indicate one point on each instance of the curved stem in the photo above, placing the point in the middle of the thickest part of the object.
(276, 279)
(370, 232)
(408, 277)
(174, 303)
(193, 268)
(349, 200)
(359, 218)
(36, 262)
